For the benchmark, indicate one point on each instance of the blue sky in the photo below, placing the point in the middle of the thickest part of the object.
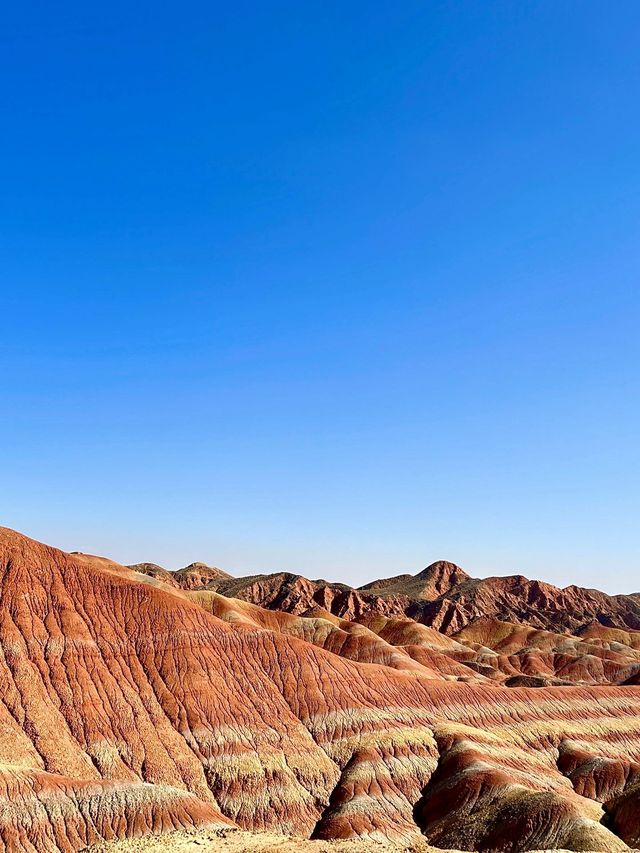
(338, 288)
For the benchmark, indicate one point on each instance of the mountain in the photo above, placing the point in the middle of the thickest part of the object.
(485, 651)
(152, 570)
(442, 596)
(197, 575)
(428, 585)
(193, 576)
(541, 650)
(130, 706)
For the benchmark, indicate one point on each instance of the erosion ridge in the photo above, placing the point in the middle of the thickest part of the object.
(508, 630)
(130, 707)
(442, 595)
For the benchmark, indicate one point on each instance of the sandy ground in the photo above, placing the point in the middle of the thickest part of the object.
(234, 841)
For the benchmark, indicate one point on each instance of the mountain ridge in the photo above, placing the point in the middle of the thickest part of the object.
(441, 595)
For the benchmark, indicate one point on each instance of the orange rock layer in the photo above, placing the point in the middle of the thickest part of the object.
(128, 706)
(444, 597)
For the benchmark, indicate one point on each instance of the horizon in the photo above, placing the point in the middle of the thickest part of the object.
(314, 287)
(332, 578)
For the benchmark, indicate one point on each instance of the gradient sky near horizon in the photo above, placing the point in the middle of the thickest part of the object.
(333, 287)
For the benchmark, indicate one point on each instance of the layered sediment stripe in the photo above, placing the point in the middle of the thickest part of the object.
(113, 683)
(42, 811)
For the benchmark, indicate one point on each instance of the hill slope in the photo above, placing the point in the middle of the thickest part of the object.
(442, 596)
(127, 708)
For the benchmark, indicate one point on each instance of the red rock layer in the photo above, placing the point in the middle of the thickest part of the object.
(444, 597)
(126, 707)
(198, 575)
(487, 650)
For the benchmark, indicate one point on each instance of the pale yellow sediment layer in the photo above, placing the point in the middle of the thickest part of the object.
(236, 841)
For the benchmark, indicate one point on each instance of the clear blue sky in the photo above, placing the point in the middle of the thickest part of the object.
(333, 287)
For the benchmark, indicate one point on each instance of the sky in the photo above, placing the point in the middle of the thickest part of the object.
(338, 288)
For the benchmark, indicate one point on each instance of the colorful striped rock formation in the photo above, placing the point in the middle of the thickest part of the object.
(444, 597)
(536, 649)
(131, 705)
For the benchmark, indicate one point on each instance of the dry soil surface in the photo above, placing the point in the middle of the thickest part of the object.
(235, 841)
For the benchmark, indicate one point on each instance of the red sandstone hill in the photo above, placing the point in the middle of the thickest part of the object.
(442, 596)
(193, 576)
(536, 657)
(486, 651)
(129, 706)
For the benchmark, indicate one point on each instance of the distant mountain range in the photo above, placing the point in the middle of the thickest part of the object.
(507, 629)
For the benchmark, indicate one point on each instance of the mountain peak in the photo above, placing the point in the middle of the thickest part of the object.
(442, 575)
(199, 575)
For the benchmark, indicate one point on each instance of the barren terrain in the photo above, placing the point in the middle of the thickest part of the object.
(133, 704)
(237, 841)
